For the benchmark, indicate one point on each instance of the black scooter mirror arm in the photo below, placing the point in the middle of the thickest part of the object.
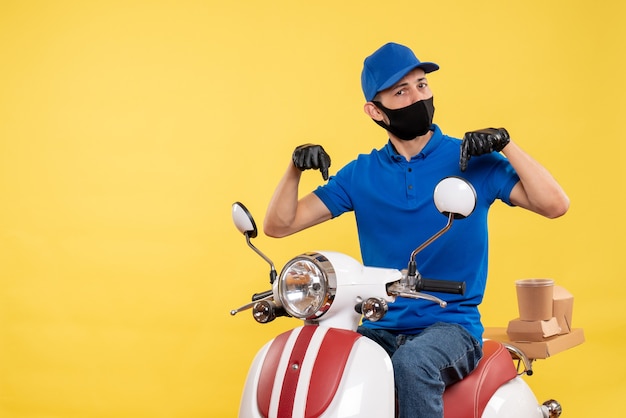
(412, 269)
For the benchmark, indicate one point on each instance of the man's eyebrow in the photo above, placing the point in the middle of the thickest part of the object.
(406, 83)
(401, 84)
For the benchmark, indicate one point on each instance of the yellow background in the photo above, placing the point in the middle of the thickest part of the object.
(127, 129)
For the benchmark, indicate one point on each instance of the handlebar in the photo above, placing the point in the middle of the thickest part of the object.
(443, 286)
(262, 295)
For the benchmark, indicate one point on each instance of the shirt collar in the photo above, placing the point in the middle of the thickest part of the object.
(431, 145)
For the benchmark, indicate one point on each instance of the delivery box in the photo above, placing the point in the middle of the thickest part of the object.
(562, 308)
(519, 330)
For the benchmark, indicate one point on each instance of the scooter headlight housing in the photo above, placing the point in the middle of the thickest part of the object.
(307, 286)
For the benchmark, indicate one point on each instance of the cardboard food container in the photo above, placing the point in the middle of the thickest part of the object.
(519, 330)
(539, 349)
(562, 308)
(535, 299)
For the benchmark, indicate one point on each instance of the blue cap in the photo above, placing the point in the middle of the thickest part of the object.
(387, 65)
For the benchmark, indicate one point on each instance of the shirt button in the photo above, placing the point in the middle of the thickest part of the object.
(410, 187)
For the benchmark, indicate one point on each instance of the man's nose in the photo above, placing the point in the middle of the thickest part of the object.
(418, 94)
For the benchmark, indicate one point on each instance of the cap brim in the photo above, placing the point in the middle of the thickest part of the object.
(428, 67)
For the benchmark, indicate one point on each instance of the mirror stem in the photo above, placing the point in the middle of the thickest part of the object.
(412, 269)
(264, 257)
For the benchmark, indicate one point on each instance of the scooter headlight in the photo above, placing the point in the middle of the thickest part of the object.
(307, 286)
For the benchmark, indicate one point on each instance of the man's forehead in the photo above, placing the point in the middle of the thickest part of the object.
(413, 75)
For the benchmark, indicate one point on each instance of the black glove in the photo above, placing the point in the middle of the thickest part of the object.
(310, 156)
(481, 142)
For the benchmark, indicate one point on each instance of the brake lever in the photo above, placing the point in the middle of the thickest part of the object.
(249, 305)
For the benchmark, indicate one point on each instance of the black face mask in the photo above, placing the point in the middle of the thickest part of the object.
(409, 122)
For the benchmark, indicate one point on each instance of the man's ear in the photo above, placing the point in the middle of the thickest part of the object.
(372, 111)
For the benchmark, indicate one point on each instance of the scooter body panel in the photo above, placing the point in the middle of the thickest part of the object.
(514, 399)
(295, 376)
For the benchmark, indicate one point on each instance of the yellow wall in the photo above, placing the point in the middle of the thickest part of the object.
(127, 129)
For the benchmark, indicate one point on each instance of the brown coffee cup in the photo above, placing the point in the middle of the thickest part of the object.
(534, 299)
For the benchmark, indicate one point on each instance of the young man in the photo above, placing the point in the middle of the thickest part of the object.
(390, 191)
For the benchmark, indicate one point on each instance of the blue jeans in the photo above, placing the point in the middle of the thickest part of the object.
(424, 364)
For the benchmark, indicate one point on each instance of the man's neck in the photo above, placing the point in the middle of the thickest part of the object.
(409, 149)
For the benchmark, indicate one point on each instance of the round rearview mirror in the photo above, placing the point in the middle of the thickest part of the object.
(455, 195)
(243, 220)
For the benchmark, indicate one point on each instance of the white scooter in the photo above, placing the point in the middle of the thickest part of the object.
(326, 369)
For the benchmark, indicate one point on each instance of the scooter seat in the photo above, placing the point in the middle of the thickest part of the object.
(469, 397)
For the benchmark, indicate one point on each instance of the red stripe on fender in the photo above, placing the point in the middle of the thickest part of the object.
(328, 369)
(290, 384)
(268, 373)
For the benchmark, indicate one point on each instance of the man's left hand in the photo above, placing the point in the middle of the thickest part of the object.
(481, 142)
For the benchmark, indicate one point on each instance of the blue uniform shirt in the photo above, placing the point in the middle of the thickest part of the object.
(392, 199)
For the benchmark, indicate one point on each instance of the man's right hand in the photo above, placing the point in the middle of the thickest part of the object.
(483, 141)
(310, 156)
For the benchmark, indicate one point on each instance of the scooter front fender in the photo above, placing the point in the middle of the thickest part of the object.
(314, 371)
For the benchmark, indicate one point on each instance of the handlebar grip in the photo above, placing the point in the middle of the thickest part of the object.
(443, 286)
(258, 296)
